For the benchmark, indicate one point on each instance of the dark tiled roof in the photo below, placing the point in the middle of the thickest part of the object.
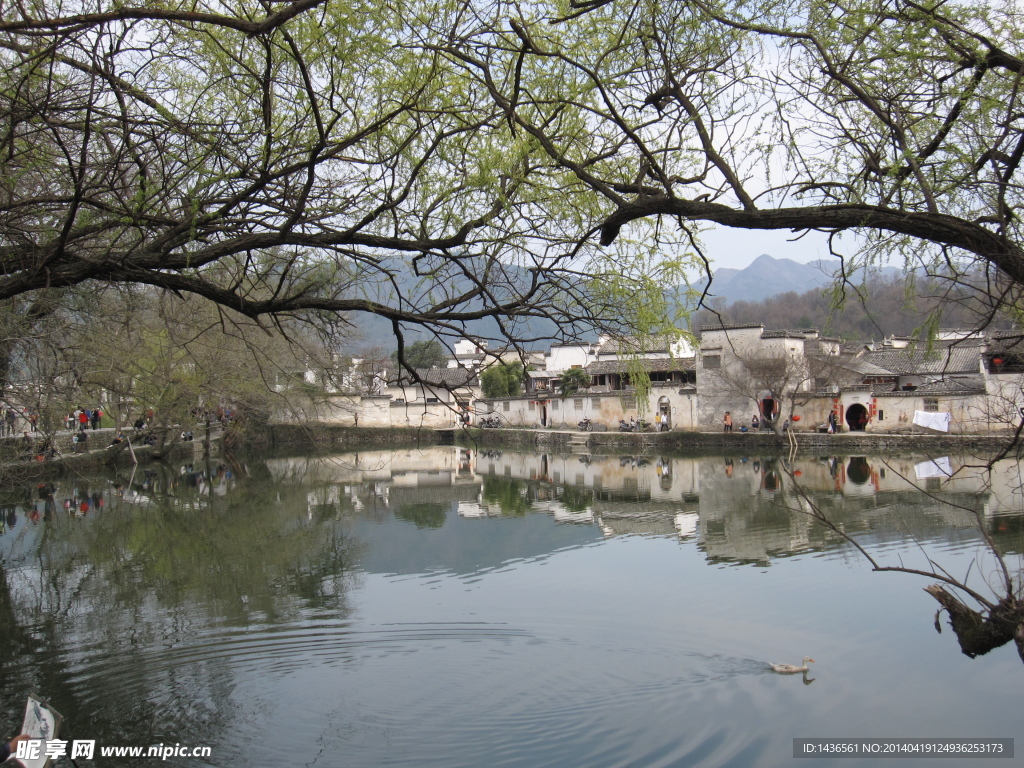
(659, 365)
(947, 358)
(632, 345)
(788, 335)
(857, 365)
(440, 377)
(1008, 341)
(736, 327)
(944, 387)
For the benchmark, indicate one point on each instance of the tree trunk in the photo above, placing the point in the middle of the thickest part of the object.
(978, 634)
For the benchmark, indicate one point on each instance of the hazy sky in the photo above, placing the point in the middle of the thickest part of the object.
(736, 248)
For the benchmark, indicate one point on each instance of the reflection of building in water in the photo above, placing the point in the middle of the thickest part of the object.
(376, 483)
(743, 516)
(740, 509)
(623, 494)
(686, 524)
(636, 477)
(621, 518)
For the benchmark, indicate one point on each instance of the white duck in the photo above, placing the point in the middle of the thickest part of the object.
(789, 669)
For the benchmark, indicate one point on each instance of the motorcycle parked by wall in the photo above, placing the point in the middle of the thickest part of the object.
(642, 425)
(585, 425)
(490, 422)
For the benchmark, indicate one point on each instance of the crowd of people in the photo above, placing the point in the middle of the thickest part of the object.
(84, 418)
(23, 422)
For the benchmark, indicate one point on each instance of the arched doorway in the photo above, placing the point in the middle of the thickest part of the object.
(664, 414)
(769, 409)
(858, 471)
(856, 417)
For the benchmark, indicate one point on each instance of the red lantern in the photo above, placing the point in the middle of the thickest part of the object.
(796, 417)
(997, 361)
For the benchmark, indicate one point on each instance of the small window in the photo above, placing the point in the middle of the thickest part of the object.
(433, 400)
(578, 402)
(595, 402)
(533, 406)
(931, 404)
(554, 405)
(881, 415)
(712, 361)
(505, 406)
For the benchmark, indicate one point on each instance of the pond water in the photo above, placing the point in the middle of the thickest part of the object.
(444, 607)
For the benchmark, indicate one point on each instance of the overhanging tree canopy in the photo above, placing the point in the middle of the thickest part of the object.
(895, 119)
(311, 159)
(439, 163)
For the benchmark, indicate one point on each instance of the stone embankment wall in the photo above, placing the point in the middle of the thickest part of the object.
(844, 443)
(529, 439)
(15, 465)
(336, 436)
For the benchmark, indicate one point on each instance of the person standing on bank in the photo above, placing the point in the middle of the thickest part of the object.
(727, 422)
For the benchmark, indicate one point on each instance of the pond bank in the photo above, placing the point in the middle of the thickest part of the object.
(843, 443)
(100, 454)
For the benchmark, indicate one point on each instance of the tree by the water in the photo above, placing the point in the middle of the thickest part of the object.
(894, 120)
(437, 164)
(304, 161)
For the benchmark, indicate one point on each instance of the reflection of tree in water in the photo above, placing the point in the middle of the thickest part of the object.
(508, 494)
(576, 499)
(129, 621)
(423, 515)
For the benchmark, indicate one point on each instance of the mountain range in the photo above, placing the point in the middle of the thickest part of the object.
(767, 276)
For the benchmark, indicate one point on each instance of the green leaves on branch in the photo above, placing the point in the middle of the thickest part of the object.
(502, 380)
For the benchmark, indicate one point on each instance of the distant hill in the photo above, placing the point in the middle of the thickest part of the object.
(883, 308)
(767, 276)
(373, 331)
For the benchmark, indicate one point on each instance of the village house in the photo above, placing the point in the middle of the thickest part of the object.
(960, 381)
(802, 378)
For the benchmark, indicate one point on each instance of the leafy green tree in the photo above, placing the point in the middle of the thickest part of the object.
(428, 353)
(502, 380)
(437, 164)
(510, 495)
(889, 120)
(342, 163)
(573, 380)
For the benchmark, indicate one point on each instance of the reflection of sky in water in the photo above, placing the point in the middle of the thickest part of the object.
(393, 612)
